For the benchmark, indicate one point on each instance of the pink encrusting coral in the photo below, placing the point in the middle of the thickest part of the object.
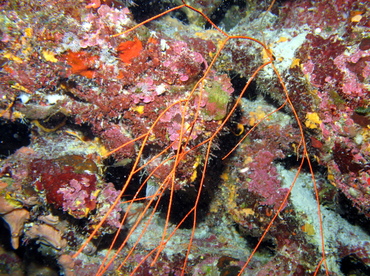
(264, 180)
(341, 93)
(76, 197)
(106, 198)
(178, 54)
(176, 127)
(356, 69)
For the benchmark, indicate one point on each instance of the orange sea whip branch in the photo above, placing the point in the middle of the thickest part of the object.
(221, 47)
(303, 142)
(162, 188)
(210, 140)
(166, 12)
(102, 269)
(134, 170)
(172, 181)
(178, 157)
(151, 198)
(145, 138)
(148, 20)
(305, 152)
(196, 115)
(187, 100)
(304, 157)
(158, 248)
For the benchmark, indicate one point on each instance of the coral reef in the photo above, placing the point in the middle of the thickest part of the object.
(153, 112)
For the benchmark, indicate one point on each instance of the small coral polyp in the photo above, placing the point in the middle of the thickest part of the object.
(212, 174)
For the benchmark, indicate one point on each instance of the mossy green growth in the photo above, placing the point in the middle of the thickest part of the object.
(363, 110)
(336, 98)
(217, 101)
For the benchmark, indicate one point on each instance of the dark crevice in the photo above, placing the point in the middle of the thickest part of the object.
(84, 129)
(36, 260)
(276, 103)
(352, 265)
(219, 14)
(267, 247)
(13, 135)
(239, 82)
(184, 200)
(117, 174)
(105, 241)
(54, 121)
(5, 236)
(144, 9)
(350, 213)
(290, 162)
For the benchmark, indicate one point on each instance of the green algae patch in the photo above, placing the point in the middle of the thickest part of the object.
(217, 101)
